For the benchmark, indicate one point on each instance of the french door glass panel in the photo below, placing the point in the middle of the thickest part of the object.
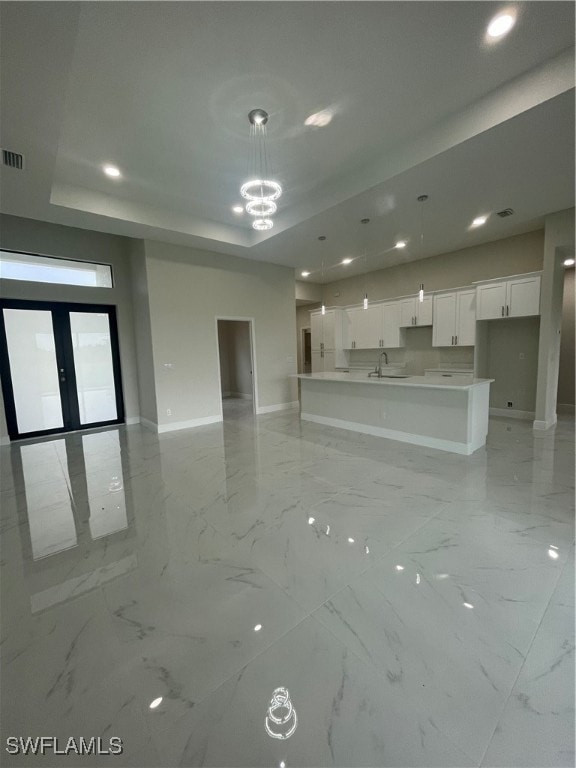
(32, 352)
(92, 348)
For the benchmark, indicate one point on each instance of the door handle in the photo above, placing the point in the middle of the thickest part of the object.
(456, 340)
(502, 311)
(452, 340)
(507, 310)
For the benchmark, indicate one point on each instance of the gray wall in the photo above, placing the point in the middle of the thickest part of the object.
(567, 343)
(512, 351)
(188, 290)
(511, 256)
(143, 333)
(84, 245)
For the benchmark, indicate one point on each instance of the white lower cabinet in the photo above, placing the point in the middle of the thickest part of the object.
(454, 319)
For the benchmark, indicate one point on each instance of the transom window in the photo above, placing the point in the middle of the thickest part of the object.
(48, 269)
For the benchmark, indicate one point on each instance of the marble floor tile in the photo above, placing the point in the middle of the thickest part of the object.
(537, 726)
(436, 654)
(416, 605)
(345, 715)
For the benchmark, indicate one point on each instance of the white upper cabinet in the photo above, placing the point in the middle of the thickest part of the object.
(327, 340)
(393, 334)
(524, 296)
(466, 319)
(516, 297)
(324, 329)
(316, 330)
(454, 319)
(491, 301)
(365, 327)
(443, 330)
(414, 312)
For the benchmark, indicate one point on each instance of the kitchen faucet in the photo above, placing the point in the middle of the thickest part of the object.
(378, 370)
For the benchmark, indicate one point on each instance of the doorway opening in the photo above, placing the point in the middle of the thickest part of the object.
(60, 367)
(237, 380)
(306, 361)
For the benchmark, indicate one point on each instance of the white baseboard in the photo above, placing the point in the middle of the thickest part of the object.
(543, 425)
(565, 408)
(511, 413)
(4, 440)
(132, 420)
(279, 407)
(190, 424)
(240, 395)
(149, 424)
(451, 446)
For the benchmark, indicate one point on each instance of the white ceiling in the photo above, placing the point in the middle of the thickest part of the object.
(420, 102)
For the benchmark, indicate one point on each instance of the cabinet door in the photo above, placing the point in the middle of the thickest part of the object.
(393, 335)
(444, 328)
(424, 311)
(371, 327)
(328, 329)
(329, 360)
(316, 329)
(355, 317)
(317, 361)
(407, 312)
(466, 319)
(523, 297)
(490, 301)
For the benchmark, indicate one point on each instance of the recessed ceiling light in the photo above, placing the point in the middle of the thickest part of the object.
(112, 171)
(479, 220)
(501, 24)
(346, 261)
(467, 605)
(399, 567)
(238, 209)
(304, 274)
(400, 244)
(155, 703)
(569, 262)
(258, 627)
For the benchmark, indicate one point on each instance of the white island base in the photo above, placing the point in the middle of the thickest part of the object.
(435, 412)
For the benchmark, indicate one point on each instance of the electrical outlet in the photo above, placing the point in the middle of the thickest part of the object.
(169, 411)
(509, 404)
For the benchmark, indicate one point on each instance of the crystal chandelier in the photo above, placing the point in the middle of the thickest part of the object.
(260, 192)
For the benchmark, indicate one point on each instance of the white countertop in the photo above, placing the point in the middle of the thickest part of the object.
(431, 382)
(450, 369)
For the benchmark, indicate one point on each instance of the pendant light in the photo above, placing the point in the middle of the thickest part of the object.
(365, 302)
(260, 192)
(421, 199)
(322, 238)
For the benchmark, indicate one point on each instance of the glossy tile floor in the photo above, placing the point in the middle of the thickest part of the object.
(417, 606)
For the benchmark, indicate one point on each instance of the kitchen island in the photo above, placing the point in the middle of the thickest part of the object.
(442, 412)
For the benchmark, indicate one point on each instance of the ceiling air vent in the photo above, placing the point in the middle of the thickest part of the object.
(505, 212)
(12, 159)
